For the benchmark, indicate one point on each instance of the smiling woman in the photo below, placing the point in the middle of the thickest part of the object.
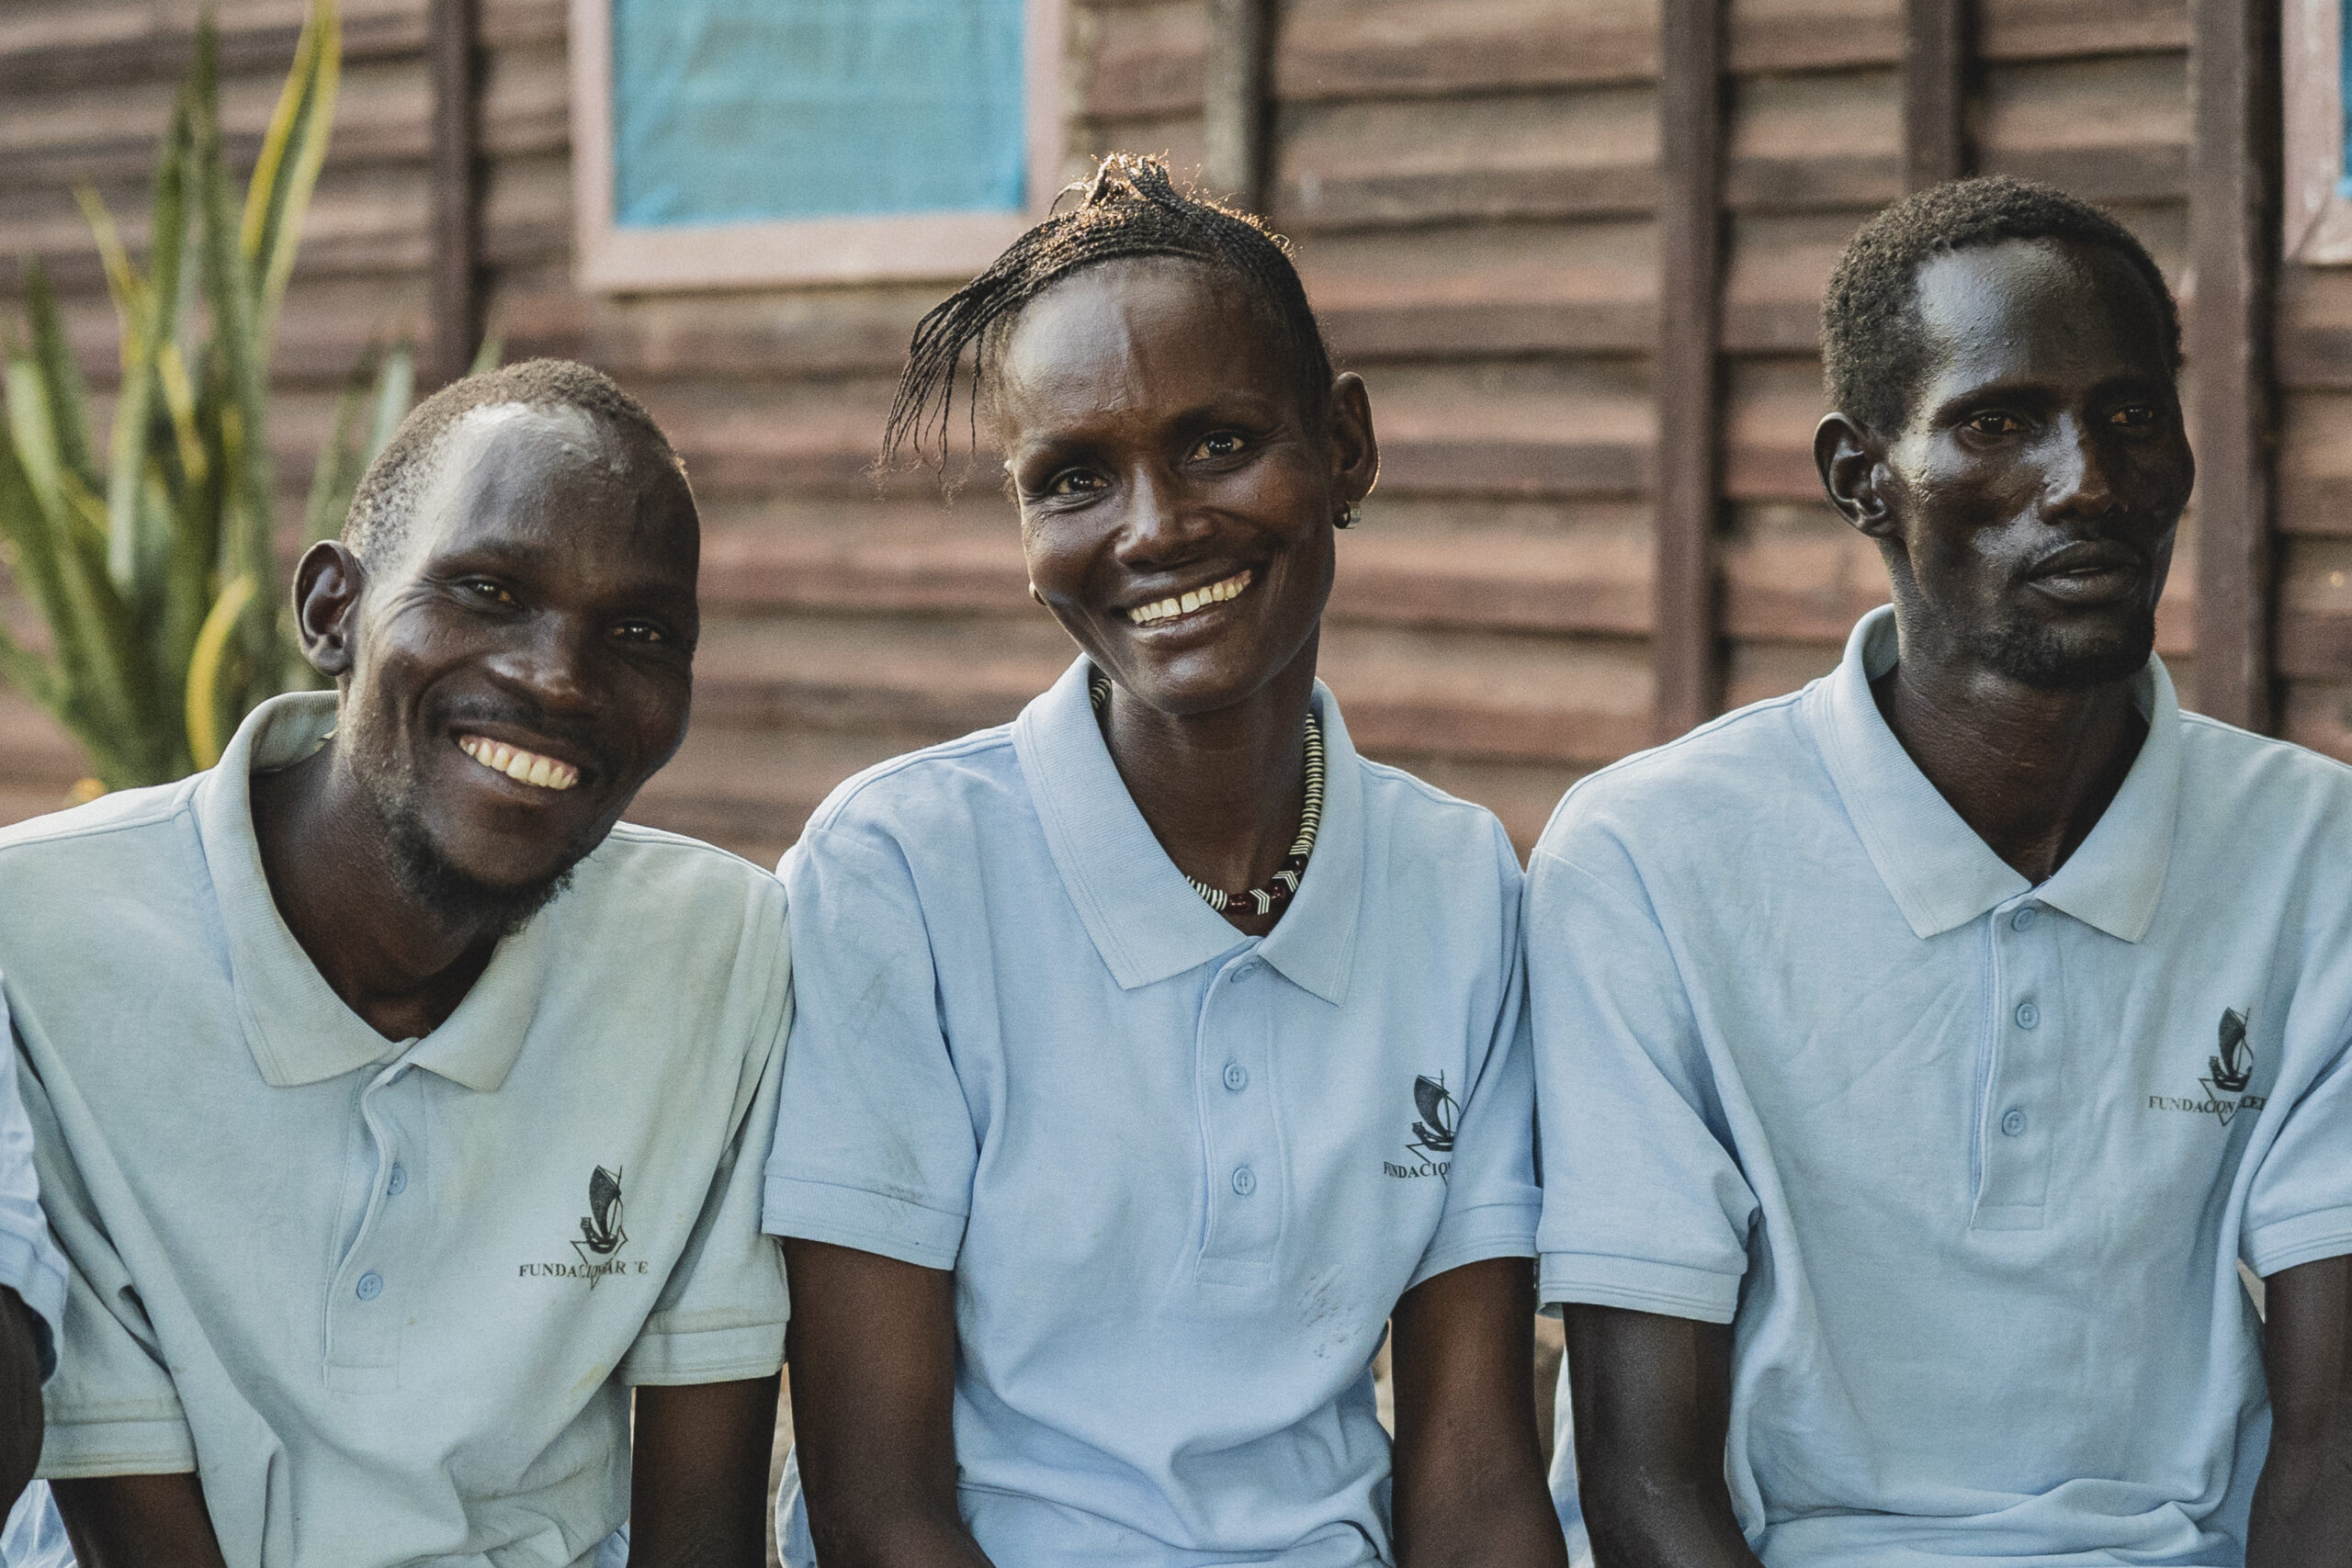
(1127, 1018)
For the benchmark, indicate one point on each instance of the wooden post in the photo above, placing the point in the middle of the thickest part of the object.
(456, 278)
(1685, 638)
(1236, 100)
(1935, 91)
(2233, 182)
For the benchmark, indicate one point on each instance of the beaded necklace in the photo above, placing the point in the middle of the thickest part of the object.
(1280, 888)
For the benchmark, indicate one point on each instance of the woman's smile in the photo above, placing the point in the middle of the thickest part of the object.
(1192, 602)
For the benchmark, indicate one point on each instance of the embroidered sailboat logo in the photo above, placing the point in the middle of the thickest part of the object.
(600, 1235)
(2231, 1070)
(1433, 1133)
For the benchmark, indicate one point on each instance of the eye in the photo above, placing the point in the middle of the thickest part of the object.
(2134, 416)
(490, 592)
(1993, 422)
(641, 631)
(1074, 481)
(1221, 443)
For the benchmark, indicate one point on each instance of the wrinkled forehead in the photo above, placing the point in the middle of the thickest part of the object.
(2039, 308)
(554, 477)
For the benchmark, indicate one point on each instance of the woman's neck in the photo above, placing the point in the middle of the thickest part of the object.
(1223, 791)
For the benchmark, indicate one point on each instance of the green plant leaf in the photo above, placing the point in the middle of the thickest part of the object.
(69, 396)
(486, 357)
(248, 483)
(209, 699)
(134, 306)
(336, 471)
(395, 394)
(36, 677)
(291, 156)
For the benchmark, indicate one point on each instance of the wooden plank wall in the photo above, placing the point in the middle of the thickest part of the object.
(1474, 188)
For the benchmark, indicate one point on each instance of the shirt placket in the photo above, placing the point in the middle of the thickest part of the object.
(1235, 1090)
(2018, 1118)
(372, 1288)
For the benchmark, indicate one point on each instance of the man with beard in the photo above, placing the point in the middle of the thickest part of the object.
(391, 1101)
(1920, 1055)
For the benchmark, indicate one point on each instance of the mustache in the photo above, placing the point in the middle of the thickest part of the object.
(576, 733)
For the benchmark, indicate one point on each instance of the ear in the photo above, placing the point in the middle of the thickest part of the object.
(326, 607)
(1853, 471)
(1355, 450)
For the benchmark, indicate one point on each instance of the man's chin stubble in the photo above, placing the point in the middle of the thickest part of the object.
(450, 892)
(2039, 658)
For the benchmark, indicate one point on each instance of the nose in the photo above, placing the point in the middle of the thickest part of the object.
(1157, 526)
(549, 664)
(2077, 484)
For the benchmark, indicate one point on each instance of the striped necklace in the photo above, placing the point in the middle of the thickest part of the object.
(1282, 887)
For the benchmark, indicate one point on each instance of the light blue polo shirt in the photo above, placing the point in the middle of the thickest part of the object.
(387, 1298)
(1182, 1174)
(30, 1264)
(1969, 1164)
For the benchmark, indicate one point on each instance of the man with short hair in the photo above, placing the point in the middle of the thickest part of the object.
(392, 1102)
(1921, 1053)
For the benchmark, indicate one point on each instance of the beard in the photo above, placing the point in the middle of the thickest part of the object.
(2043, 658)
(451, 893)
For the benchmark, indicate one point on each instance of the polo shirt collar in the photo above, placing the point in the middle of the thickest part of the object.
(299, 1030)
(1940, 874)
(1144, 917)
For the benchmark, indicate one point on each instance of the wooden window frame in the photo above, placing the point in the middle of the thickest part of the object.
(910, 246)
(2317, 217)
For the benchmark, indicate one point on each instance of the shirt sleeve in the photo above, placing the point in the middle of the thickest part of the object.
(1644, 1206)
(1491, 1197)
(2299, 1205)
(30, 1263)
(721, 1316)
(111, 1409)
(875, 1146)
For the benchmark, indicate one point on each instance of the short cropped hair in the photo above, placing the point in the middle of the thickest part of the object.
(385, 504)
(1873, 348)
(1131, 208)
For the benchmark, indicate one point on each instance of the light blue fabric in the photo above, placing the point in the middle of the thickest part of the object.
(728, 110)
(374, 1290)
(30, 1264)
(1969, 1164)
(1182, 1175)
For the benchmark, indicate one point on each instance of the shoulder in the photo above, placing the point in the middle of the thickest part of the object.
(643, 889)
(1418, 819)
(2270, 795)
(1719, 773)
(923, 798)
(117, 843)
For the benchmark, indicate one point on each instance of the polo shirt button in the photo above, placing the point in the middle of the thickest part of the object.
(398, 1183)
(1237, 1077)
(2013, 1123)
(1245, 1180)
(1239, 972)
(2029, 1015)
(2023, 919)
(371, 1284)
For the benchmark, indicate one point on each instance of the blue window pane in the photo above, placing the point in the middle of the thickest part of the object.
(2344, 69)
(732, 111)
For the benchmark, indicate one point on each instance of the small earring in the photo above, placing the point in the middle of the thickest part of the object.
(1038, 596)
(1351, 516)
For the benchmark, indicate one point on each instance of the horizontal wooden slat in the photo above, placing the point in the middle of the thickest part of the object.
(1413, 563)
(1502, 289)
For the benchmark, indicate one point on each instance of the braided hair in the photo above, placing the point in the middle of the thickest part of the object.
(1131, 208)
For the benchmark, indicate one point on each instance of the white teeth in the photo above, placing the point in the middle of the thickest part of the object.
(1190, 599)
(523, 767)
